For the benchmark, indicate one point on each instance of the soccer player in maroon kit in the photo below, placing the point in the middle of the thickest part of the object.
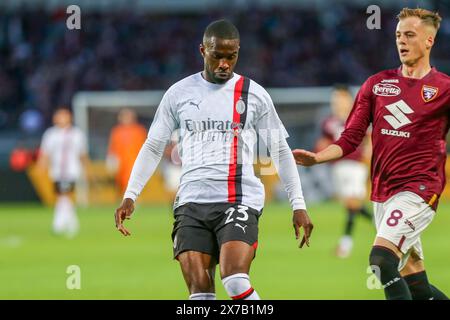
(409, 109)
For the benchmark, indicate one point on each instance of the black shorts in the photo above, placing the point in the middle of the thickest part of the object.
(64, 186)
(205, 227)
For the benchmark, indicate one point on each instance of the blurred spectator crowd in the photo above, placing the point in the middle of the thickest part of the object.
(42, 63)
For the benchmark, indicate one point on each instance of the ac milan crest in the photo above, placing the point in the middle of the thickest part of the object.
(240, 106)
(429, 93)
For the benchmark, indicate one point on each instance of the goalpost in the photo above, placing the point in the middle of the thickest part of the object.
(300, 109)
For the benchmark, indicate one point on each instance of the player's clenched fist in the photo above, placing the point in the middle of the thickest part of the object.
(122, 213)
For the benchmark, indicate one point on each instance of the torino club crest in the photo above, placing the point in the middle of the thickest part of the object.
(429, 93)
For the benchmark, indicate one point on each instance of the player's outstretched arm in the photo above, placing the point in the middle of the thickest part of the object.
(122, 213)
(301, 219)
(308, 158)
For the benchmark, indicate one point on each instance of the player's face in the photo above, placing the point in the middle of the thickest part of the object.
(62, 118)
(127, 117)
(341, 103)
(220, 57)
(413, 39)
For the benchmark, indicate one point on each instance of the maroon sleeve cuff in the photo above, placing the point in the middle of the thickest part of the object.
(346, 147)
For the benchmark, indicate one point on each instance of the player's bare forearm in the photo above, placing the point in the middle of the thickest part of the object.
(308, 158)
(332, 152)
(301, 219)
(124, 213)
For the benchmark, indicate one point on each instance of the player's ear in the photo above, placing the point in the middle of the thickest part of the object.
(202, 49)
(430, 42)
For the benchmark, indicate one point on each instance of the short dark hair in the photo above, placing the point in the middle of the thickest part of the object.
(222, 29)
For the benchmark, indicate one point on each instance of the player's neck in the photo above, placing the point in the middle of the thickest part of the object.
(205, 76)
(417, 71)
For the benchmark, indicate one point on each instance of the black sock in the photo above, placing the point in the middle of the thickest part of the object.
(419, 286)
(350, 222)
(365, 213)
(438, 294)
(384, 264)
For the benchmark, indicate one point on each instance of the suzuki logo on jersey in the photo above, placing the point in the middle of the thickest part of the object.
(386, 90)
(397, 118)
(429, 93)
(398, 110)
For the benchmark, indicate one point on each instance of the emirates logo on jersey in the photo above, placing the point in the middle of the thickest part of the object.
(386, 90)
(429, 93)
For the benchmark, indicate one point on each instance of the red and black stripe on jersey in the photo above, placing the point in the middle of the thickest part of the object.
(235, 168)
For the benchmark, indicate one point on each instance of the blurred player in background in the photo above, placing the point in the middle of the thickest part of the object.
(409, 109)
(125, 141)
(64, 152)
(351, 172)
(220, 199)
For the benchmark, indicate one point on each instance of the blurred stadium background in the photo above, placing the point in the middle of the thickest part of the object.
(125, 55)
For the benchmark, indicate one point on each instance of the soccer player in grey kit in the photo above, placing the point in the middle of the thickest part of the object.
(409, 109)
(220, 200)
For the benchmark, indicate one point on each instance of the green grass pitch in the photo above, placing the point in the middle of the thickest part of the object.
(33, 262)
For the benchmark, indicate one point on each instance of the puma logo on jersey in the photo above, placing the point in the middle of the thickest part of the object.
(192, 103)
(242, 227)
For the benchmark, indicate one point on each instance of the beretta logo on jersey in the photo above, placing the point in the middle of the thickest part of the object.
(429, 93)
(386, 90)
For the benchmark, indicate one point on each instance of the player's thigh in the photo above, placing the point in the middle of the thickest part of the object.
(235, 257)
(413, 263)
(195, 247)
(237, 236)
(190, 234)
(388, 244)
(198, 270)
(402, 219)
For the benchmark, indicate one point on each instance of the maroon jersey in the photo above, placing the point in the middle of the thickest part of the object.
(332, 128)
(410, 119)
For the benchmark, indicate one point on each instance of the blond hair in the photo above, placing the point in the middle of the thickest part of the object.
(428, 17)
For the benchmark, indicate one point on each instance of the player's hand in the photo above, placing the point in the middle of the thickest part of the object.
(124, 212)
(304, 157)
(301, 219)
